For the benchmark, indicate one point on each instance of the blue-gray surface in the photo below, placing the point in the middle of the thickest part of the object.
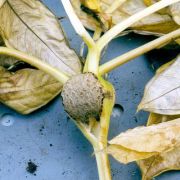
(49, 139)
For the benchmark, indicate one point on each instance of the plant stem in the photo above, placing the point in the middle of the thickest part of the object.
(76, 23)
(101, 156)
(118, 61)
(60, 76)
(113, 32)
(102, 162)
(101, 145)
(92, 61)
(89, 136)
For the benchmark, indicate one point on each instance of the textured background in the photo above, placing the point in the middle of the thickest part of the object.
(49, 139)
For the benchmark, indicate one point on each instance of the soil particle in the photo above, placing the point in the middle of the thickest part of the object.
(31, 167)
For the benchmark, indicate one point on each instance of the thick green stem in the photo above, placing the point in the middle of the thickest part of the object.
(92, 61)
(98, 134)
(102, 161)
(86, 132)
(118, 61)
(61, 77)
(101, 145)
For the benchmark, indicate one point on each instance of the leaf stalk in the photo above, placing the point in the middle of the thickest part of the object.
(57, 74)
(76, 23)
(118, 61)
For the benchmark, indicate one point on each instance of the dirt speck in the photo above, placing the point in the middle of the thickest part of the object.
(41, 130)
(31, 167)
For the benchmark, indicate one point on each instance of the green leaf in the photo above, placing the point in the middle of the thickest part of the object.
(27, 89)
(162, 93)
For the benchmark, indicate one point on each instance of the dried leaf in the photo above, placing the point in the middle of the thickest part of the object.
(125, 155)
(33, 29)
(7, 61)
(162, 162)
(143, 142)
(156, 165)
(1, 41)
(2, 2)
(27, 89)
(162, 11)
(175, 12)
(158, 118)
(162, 93)
(173, 9)
(92, 4)
(156, 23)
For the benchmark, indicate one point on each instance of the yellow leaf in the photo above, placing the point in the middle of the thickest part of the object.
(162, 162)
(158, 164)
(27, 90)
(175, 12)
(125, 155)
(156, 24)
(158, 118)
(143, 142)
(92, 4)
(148, 2)
(33, 29)
(162, 93)
(2, 2)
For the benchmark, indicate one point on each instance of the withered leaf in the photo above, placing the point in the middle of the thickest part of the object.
(27, 89)
(144, 142)
(32, 28)
(125, 155)
(173, 9)
(162, 162)
(7, 61)
(158, 118)
(158, 164)
(157, 23)
(175, 12)
(1, 41)
(92, 4)
(162, 93)
(2, 2)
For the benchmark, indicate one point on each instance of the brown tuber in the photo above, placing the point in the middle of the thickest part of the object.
(83, 97)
